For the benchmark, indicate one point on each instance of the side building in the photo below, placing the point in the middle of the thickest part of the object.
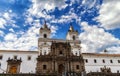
(16, 61)
(102, 62)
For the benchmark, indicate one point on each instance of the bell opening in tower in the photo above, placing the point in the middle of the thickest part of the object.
(45, 36)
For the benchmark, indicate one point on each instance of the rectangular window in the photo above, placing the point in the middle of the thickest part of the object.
(1, 57)
(95, 61)
(15, 57)
(29, 57)
(77, 66)
(44, 67)
(86, 60)
(118, 61)
(103, 61)
(111, 61)
(117, 71)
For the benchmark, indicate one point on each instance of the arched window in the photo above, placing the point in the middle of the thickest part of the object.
(45, 36)
(73, 37)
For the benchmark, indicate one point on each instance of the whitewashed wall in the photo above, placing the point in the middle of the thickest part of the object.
(90, 66)
(27, 66)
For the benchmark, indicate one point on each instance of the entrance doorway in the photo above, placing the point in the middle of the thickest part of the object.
(61, 68)
(13, 69)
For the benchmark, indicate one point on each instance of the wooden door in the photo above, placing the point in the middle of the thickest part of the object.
(13, 69)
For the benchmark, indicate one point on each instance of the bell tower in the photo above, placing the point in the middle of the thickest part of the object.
(72, 34)
(45, 31)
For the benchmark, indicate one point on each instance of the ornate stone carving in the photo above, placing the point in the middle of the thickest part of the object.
(13, 65)
(57, 62)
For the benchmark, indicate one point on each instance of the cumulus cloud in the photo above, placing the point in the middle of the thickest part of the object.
(89, 4)
(38, 7)
(67, 18)
(1, 33)
(95, 39)
(114, 49)
(27, 40)
(7, 19)
(10, 37)
(11, 30)
(109, 14)
(2, 23)
(53, 30)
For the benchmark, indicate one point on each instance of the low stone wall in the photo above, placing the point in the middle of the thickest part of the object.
(102, 74)
(24, 75)
(17, 75)
(37, 74)
(89, 74)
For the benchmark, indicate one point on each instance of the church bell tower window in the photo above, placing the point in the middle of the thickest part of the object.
(45, 36)
(73, 37)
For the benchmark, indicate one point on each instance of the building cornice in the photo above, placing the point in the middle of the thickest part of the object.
(19, 51)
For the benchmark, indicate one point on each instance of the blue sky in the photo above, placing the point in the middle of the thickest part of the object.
(97, 22)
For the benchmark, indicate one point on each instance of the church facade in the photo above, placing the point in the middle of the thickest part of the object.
(57, 56)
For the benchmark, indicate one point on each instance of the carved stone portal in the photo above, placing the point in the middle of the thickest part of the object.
(105, 69)
(13, 65)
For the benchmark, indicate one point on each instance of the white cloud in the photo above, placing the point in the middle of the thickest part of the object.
(6, 19)
(67, 18)
(27, 40)
(39, 5)
(95, 39)
(1, 33)
(89, 4)
(29, 20)
(2, 23)
(114, 49)
(53, 29)
(11, 30)
(110, 14)
(6, 15)
(10, 37)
